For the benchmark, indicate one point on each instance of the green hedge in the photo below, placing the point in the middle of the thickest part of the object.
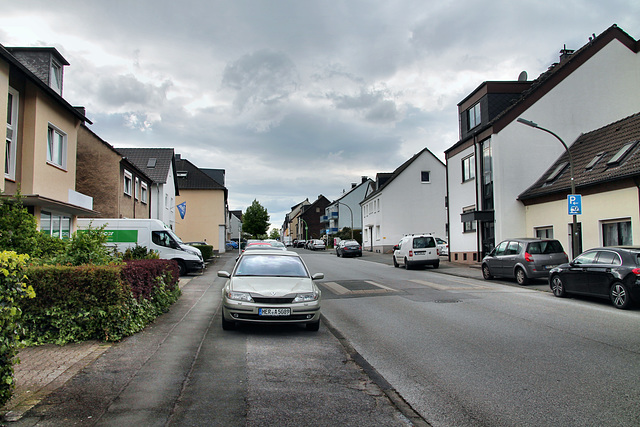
(105, 303)
(207, 251)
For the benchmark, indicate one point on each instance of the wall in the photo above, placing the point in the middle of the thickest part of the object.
(461, 195)
(205, 213)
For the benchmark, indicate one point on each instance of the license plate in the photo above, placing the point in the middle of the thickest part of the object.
(549, 267)
(420, 252)
(274, 312)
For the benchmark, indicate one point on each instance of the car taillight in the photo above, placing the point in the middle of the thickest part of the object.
(438, 251)
(528, 257)
(410, 253)
(636, 271)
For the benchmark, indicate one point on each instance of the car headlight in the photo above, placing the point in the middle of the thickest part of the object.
(308, 297)
(239, 296)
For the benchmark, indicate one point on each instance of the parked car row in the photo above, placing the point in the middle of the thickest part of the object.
(312, 244)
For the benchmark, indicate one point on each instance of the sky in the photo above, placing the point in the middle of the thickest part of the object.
(296, 98)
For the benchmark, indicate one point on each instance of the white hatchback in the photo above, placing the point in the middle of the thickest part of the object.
(416, 250)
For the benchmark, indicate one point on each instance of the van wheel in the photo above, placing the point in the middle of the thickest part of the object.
(406, 265)
(182, 268)
(395, 262)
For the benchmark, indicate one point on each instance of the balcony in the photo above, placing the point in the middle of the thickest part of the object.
(334, 215)
(323, 219)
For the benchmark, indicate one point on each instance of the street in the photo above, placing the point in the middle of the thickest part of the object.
(395, 348)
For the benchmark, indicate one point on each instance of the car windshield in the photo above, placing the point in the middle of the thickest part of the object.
(423, 242)
(545, 247)
(271, 265)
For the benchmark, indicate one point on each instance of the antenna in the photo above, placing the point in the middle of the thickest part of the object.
(522, 77)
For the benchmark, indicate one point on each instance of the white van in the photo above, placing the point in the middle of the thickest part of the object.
(416, 250)
(152, 233)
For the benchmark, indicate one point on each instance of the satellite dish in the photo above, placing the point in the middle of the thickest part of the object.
(522, 77)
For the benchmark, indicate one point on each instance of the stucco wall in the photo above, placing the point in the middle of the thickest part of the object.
(205, 213)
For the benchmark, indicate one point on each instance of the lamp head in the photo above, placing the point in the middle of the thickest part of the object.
(527, 122)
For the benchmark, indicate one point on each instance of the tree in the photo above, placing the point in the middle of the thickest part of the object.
(255, 220)
(274, 234)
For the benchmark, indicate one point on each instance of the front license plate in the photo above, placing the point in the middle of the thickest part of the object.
(274, 312)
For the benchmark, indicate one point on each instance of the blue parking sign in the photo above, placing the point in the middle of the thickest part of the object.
(574, 202)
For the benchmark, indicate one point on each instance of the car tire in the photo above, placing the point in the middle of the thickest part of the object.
(228, 325)
(313, 326)
(395, 262)
(338, 254)
(486, 273)
(619, 294)
(182, 268)
(406, 265)
(436, 265)
(557, 287)
(521, 277)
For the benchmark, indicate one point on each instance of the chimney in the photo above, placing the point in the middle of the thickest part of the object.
(364, 179)
(177, 156)
(353, 185)
(565, 54)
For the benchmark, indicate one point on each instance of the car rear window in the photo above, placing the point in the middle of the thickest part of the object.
(424, 242)
(270, 265)
(545, 247)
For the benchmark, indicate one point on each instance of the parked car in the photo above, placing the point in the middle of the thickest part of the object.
(523, 259)
(608, 272)
(231, 245)
(416, 250)
(348, 248)
(443, 246)
(270, 286)
(300, 243)
(316, 244)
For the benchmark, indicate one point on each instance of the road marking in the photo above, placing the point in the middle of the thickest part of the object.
(451, 287)
(341, 290)
(337, 289)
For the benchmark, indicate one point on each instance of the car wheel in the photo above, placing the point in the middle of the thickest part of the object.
(182, 268)
(521, 277)
(406, 265)
(313, 326)
(395, 262)
(338, 254)
(486, 274)
(620, 295)
(228, 325)
(557, 287)
(436, 265)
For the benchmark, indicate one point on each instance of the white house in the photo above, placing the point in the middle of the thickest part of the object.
(345, 211)
(497, 158)
(410, 200)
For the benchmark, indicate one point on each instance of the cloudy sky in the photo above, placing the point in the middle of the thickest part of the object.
(296, 98)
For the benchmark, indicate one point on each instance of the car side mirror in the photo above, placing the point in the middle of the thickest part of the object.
(395, 247)
(224, 274)
(317, 276)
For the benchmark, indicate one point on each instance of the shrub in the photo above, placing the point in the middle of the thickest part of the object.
(139, 252)
(87, 247)
(206, 250)
(12, 289)
(18, 228)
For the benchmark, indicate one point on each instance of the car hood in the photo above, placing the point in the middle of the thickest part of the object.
(273, 286)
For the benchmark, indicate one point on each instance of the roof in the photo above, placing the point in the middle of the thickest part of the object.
(6, 55)
(216, 174)
(607, 141)
(158, 171)
(190, 177)
(549, 79)
(398, 171)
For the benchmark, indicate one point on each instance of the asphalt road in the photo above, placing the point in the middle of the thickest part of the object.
(466, 352)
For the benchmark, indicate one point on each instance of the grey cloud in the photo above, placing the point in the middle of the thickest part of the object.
(126, 90)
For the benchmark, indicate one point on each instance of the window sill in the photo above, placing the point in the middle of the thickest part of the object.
(62, 168)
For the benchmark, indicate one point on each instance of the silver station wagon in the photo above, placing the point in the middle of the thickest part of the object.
(523, 259)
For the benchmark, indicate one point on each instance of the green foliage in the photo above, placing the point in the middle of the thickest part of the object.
(206, 250)
(275, 234)
(345, 234)
(18, 228)
(139, 252)
(255, 220)
(87, 247)
(97, 302)
(12, 289)
(49, 247)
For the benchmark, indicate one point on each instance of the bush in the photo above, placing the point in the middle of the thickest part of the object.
(206, 250)
(12, 289)
(18, 228)
(87, 247)
(97, 302)
(139, 252)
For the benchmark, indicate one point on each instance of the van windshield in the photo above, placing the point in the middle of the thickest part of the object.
(176, 238)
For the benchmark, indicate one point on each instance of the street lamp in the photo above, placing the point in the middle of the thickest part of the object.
(306, 229)
(575, 239)
(350, 211)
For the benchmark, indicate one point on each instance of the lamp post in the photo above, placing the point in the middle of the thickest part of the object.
(350, 211)
(575, 240)
(306, 229)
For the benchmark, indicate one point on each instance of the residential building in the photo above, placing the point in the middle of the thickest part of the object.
(235, 225)
(606, 171)
(203, 199)
(41, 138)
(309, 225)
(345, 211)
(410, 200)
(119, 189)
(295, 226)
(497, 158)
(159, 165)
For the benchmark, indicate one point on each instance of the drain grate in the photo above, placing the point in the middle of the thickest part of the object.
(447, 301)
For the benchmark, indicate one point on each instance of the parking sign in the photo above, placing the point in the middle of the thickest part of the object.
(574, 202)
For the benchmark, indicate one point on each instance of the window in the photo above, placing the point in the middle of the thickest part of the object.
(474, 116)
(137, 188)
(619, 156)
(56, 225)
(595, 160)
(56, 77)
(513, 248)
(56, 147)
(501, 249)
(127, 182)
(544, 232)
(468, 168)
(143, 192)
(616, 233)
(425, 176)
(557, 171)
(12, 135)
(469, 226)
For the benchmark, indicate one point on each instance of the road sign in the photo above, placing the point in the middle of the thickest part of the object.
(574, 202)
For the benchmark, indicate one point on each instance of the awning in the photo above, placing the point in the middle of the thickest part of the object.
(484, 216)
(56, 205)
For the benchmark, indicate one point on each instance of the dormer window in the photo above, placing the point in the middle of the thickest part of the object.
(55, 79)
(594, 161)
(474, 116)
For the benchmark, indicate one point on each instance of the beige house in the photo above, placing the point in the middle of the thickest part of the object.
(606, 167)
(41, 138)
(119, 189)
(203, 201)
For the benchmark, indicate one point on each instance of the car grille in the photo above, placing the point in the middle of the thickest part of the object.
(267, 300)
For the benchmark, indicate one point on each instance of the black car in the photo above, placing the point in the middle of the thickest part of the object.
(348, 248)
(608, 272)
